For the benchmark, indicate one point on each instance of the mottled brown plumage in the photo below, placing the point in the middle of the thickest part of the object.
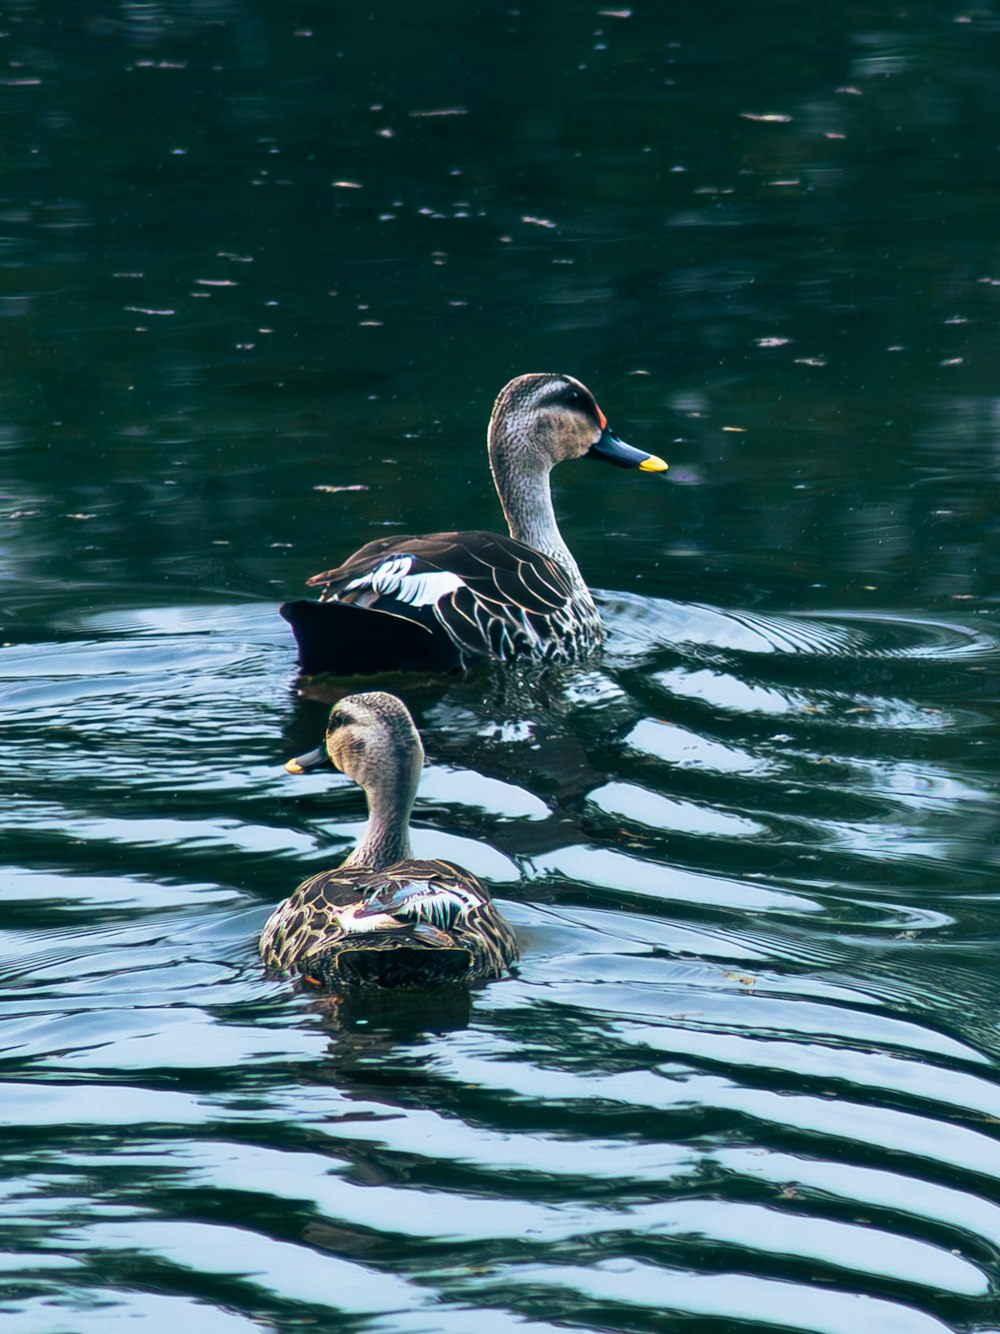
(445, 600)
(384, 918)
(314, 932)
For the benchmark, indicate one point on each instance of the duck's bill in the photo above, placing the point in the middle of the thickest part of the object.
(313, 759)
(616, 451)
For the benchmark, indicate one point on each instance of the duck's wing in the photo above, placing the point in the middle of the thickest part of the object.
(354, 901)
(441, 897)
(313, 915)
(475, 594)
(334, 582)
(436, 921)
(431, 892)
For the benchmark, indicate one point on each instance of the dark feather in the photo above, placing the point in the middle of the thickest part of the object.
(512, 600)
(312, 933)
(391, 965)
(347, 640)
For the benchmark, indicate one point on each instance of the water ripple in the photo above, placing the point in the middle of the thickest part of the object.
(745, 1071)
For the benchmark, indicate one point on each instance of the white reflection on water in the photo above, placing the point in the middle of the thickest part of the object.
(673, 1025)
(737, 1297)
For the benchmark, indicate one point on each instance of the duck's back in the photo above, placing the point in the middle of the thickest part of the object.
(448, 599)
(418, 924)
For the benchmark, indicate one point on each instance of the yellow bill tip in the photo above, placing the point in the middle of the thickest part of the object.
(653, 464)
(293, 767)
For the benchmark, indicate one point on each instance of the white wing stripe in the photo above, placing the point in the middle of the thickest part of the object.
(423, 590)
(393, 579)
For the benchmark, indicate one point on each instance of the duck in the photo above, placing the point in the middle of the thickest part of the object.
(444, 601)
(384, 918)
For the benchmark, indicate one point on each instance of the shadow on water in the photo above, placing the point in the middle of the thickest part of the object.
(373, 1021)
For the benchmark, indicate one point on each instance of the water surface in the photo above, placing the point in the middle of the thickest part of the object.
(746, 1075)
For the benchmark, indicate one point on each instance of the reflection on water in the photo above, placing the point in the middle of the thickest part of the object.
(264, 272)
(734, 1060)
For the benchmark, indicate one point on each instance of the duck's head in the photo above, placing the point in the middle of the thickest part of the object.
(371, 738)
(543, 419)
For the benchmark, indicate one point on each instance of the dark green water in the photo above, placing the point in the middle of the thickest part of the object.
(747, 1075)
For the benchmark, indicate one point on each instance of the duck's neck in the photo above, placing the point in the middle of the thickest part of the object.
(525, 493)
(386, 840)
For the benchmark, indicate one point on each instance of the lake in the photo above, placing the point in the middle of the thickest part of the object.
(265, 268)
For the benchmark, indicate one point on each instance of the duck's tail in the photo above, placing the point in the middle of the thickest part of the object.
(394, 967)
(343, 640)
